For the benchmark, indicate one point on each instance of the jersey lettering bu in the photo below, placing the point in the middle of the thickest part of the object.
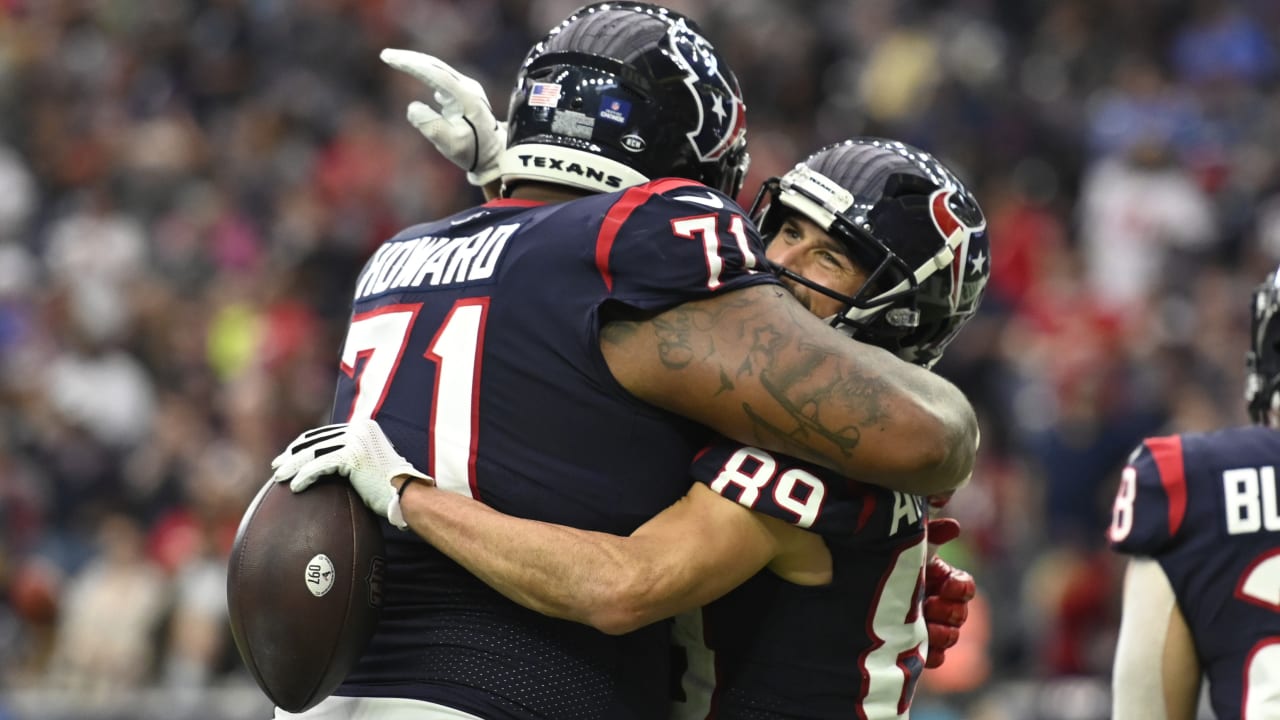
(1205, 507)
(474, 342)
(771, 649)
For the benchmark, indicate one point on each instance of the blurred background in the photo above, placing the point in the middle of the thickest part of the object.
(188, 189)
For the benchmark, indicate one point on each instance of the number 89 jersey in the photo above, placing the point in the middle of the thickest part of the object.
(1205, 507)
(474, 341)
(772, 649)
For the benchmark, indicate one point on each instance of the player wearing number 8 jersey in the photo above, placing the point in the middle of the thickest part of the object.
(561, 353)
(1198, 512)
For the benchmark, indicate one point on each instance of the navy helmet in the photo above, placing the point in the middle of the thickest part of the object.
(1262, 360)
(908, 222)
(621, 93)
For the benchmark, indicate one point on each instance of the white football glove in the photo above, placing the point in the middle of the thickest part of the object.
(357, 450)
(464, 129)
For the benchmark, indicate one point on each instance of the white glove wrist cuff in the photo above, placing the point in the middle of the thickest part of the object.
(395, 514)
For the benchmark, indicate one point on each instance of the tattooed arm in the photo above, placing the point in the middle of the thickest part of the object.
(756, 366)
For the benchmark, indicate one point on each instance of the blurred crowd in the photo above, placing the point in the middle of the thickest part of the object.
(188, 189)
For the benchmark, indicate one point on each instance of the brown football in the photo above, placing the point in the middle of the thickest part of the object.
(304, 588)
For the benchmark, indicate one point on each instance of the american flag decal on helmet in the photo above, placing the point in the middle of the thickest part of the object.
(543, 94)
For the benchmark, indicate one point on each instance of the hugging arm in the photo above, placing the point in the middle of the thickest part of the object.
(756, 366)
(693, 552)
(690, 554)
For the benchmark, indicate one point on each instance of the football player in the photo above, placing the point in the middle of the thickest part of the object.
(1198, 514)
(833, 628)
(561, 353)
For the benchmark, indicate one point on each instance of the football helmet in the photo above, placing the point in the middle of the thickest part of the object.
(1262, 360)
(621, 93)
(908, 222)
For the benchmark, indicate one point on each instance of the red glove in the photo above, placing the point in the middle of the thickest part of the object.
(947, 592)
(940, 501)
(941, 531)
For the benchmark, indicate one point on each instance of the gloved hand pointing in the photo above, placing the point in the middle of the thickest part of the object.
(464, 129)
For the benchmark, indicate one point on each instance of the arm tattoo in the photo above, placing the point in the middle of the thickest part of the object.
(726, 382)
(620, 323)
(674, 346)
(673, 330)
(809, 389)
(685, 336)
(812, 384)
(794, 441)
(809, 381)
(617, 332)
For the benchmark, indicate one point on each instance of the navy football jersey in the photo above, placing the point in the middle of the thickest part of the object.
(1204, 506)
(474, 341)
(772, 649)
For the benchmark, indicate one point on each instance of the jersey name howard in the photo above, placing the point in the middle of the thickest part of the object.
(434, 261)
(1250, 495)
